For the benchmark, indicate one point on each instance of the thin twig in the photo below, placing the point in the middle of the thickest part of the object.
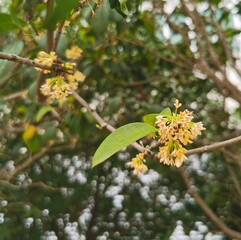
(99, 119)
(20, 94)
(235, 180)
(28, 162)
(215, 146)
(57, 36)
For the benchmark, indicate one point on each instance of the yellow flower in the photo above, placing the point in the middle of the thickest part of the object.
(138, 165)
(177, 104)
(46, 59)
(74, 53)
(77, 76)
(66, 24)
(176, 131)
(172, 154)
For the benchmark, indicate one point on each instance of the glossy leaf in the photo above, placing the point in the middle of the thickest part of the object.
(166, 112)
(60, 13)
(123, 7)
(150, 119)
(120, 7)
(121, 138)
(7, 23)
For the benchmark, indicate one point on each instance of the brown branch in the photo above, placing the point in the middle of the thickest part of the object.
(57, 36)
(235, 180)
(207, 210)
(50, 32)
(154, 52)
(13, 96)
(28, 162)
(33, 63)
(215, 146)
(99, 119)
(230, 155)
(30, 186)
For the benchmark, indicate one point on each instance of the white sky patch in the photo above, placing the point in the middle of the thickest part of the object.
(233, 77)
(146, 6)
(231, 105)
(228, 4)
(170, 6)
(213, 95)
(166, 31)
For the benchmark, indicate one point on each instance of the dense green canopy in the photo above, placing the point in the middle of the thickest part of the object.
(138, 57)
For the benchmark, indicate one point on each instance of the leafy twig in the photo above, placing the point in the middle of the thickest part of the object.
(208, 211)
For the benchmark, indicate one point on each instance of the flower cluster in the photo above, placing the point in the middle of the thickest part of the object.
(74, 53)
(60, 86)
(175, 132)
(46, 59)
(138, 162)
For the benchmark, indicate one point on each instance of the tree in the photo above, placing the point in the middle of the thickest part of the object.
(138, 58)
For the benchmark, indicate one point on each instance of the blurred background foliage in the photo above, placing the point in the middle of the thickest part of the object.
(134, 65)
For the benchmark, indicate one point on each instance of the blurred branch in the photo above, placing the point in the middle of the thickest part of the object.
(26, 163)
(20, 94)
(57, 36)
(154, 52)
(208, 211)
(33, 63)
(50, 32)
(235, 180)
(34, 185)
(231, 155)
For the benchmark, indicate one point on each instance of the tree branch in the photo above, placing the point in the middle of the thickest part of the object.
(99, 119)
(26, 163)
(20, 94)
(215, 146)
(33, 63)
(30, 186)
(207, 210)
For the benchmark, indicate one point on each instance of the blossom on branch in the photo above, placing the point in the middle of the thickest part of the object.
(175, 132)
(74, 53)
(138, 164)
(47, 59)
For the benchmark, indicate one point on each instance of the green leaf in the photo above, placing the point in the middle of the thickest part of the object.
(123, 7)
(60, 13)
(42, 111)
(34, 144)
(120, 7)
(119, 139)
(166, 112)
(7, 23)
(150, 119)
